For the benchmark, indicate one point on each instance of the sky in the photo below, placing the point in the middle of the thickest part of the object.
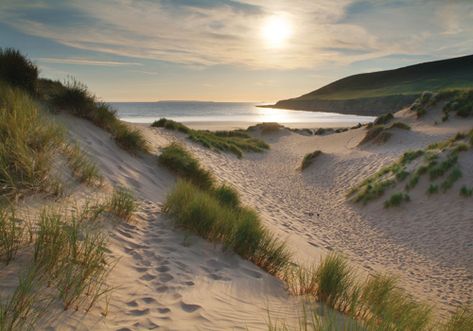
(229, 50)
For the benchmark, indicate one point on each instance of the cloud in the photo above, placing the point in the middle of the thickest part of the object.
(203, 33)
(83, 61)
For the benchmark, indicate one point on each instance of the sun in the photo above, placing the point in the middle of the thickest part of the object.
(276, 30)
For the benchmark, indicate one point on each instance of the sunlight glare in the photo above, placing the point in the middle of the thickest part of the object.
(276, 30)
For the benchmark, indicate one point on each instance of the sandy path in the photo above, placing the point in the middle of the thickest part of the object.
(428, 243)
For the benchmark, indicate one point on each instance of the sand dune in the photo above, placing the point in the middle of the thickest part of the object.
(426, 242)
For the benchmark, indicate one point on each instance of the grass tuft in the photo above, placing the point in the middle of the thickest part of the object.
(396, 200)
(179, 160)
(462, 319)
(383, 119)
(235, 142)
(238, 229)
(466, 191)
(227, 196)
(83, 168)
(11, 235)
(28, 142)
(309, 158)
(400, 125)
(122, 203)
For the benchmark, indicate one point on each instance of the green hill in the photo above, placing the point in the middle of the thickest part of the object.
(382, 91)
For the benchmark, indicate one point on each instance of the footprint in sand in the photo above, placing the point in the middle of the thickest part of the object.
(147, 277)
(163, 268)
(165, 277)
(139, 312)
(189, 308)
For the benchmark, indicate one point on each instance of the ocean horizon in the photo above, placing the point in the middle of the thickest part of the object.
(230, 112)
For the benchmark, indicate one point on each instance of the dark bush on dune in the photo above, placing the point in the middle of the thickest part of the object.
(383, 119)
(17, 70)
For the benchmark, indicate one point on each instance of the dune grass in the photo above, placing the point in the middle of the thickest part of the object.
(11, 235)
(17, 70)
(28, 142)
(179, 160)
(266, 127)
(396, 200)
(400, 125)
(74, 97)
(227, 196)
(461, 319)
(309, 159)
(236, 142)
(239, 229)
(461, 103)
(72, 252)
(440, 161)
(377, 134)
(383, 119)
(25, 306)
(82, 167)
(466, 191)
(122, 203)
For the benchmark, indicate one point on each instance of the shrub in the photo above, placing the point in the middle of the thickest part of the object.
(28, 142)
(17, 70)
(466, 192)
(227, 196)
(461, 104)
(179, 160)
(383, 119)
(396, 200)
(123, 203)
(309, 158)
(238, 229)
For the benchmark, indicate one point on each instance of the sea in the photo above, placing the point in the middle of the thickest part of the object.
(229, 112)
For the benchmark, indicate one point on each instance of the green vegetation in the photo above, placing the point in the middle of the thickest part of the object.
(171, 125)
(266, 127)
(438, 160)
(237, 228)
(435, 76)
(461, 104)
(179, 160)
(377, 134)
(83, 168)
(69, 263)
(433, 188)
(309, 158)
(122, 203)
(400, 125)
(28, 142)
(462, 319)
(74, 97)
(373, 304)
(17, 70)
(383, 119)
(396, 200)
(466, 191)
(227, 195)
(11, 235)
(235, 142)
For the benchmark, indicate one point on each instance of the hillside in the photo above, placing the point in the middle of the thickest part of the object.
(385, 91)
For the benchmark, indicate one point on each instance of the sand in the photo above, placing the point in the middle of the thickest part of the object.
(427, 243)
(171, 280)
